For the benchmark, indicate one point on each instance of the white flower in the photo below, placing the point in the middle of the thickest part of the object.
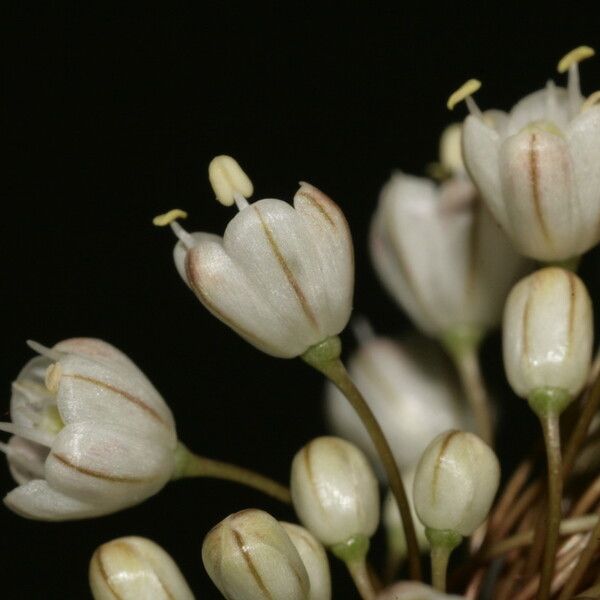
(334, 491)
(314, 557)
(455, 483)
(92, 435)
(538, 168)
(548, 333)
(282, 277)
(411, 391)
(440, 255)
(249, 556)
(135, 568)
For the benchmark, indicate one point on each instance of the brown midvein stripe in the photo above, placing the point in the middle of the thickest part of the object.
(287, 271)
(317, 205)
(438, 463)
(239, 540)
(534, 174)
(194, 280)
(98, 474)
(572, 293)
(104, 573)
(107, 386)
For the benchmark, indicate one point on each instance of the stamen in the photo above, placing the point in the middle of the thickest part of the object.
(184, 237)
(574, 57)
(464, 92)
(28, 433)
(32, 391)
(363, 330)
(228, 179)
(240, 201)
(168, 217)
(53, 375)
(50, 353)
(591, 100)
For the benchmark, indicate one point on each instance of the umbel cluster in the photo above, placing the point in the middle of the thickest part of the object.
(492, 238)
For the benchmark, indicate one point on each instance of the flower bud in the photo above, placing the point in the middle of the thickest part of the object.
(282, 277)
(411, 390)
(315, 561)
(334, 491)
(441, 256)
(412, 590)
(92, 435)
(455, 483)
(249, 556)
(547, 333)
(135, 568)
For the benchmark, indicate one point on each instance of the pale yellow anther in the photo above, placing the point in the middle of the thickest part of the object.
(464, 91)
(228, 179)
(52, 379)
(451, 149)
(574, 57)
(168, 217)
(590, 101)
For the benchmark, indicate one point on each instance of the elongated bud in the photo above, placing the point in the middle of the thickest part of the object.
(315, 561)
(135, 568)
(335, 492)
(412, 590)
(547, 333)
(455, 483)
(249, 556)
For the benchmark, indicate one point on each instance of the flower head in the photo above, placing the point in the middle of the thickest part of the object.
(281, 276)
(538, 166)
(91, 435)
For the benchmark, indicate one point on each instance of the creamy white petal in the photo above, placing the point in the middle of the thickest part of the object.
(481, 146)
(541, 202)
(107, 464)
(330, 236)
(113, 394)
(37, 500)
(25, 459)
(549, 104)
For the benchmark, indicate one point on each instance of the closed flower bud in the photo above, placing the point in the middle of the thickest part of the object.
(315, 561)
(412, 590)
(548, 333)
(440, 255)
(411, 390)
(282, 277)
(135, 568)
(334, 491)
(249, 556)
(91, 433)
(538, 168)
(455, 483)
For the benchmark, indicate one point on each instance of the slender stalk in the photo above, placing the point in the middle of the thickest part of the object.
(193, 465)
(325, 358)
(360, 575)
(464, 353)
(440, 555)
(551, 429)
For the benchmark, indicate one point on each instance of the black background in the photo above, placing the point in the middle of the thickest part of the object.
(112, 116)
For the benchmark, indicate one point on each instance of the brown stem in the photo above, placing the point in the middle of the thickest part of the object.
(360, 575)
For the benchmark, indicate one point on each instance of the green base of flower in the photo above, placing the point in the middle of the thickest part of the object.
(460, 340)
(549, 400)
(355, 549)
(445, 538)
(327, 350)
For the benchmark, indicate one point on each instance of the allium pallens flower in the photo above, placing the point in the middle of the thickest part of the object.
(411, 391)
(538, 167)
(282, 277)
(440, 255)
(91, 435)
(136, 568)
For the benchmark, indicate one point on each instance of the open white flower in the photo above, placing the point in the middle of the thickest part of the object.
(440, 254)
(538, 167)
(282, 277)
(91, 433)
